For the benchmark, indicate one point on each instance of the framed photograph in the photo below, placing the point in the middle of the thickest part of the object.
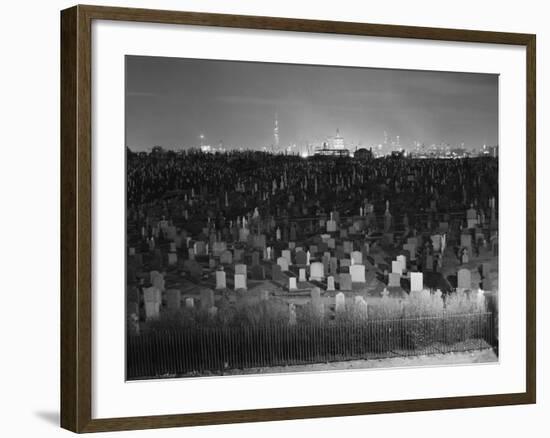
(271, 218)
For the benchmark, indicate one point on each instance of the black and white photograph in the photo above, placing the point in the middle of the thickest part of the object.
(286, 218)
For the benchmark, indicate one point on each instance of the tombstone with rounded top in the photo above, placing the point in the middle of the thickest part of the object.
(226, 257)
(357, 273)
(276, 273)
(283, 263)
(317, 271)
(330, 283)
(220, 280)
(301, 258)
(361, 306)
(403, 260)
(340, 302)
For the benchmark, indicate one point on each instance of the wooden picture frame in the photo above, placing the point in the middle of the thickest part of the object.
(76, 217)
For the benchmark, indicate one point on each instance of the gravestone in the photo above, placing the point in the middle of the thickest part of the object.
(348, 247)
(345, 281)
(394, 280)
(412, 250)
(301, 258)
(173, 299)
(360, 306)
(417, 281)
(302, 275)
(333, 266)
(238, 255)
(257, 272)
(436, 242)
(317, 302)
(207, 298)
(345, 263)
(485, 269)
(152, 303)
(403, 261)
(199, 248)
(466, 240)
(396, 267)
(220, 280)
(331, 226)
(340, 302)
(157, 280)
(331, 243)
(218, 248)
(189, 303)
(240, 269)
(464, 279)
(255, 258)
(330, 283)
(292, 283)
(172, 258)
(429, 265)
(316, 271)
(357, 257)
(357, 273)
(276, 273)
(283, 263)
(287, 255)
(240, 281)
(226, 258)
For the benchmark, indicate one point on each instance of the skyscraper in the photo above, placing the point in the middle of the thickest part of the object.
(276, 133)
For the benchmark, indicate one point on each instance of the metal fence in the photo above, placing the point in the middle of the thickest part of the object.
(215, 350)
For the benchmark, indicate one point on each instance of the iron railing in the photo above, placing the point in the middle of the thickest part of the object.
(215, 350)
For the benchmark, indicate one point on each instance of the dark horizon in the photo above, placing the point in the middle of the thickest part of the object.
(171, 102)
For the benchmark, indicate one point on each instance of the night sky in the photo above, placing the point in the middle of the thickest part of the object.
(172, 101)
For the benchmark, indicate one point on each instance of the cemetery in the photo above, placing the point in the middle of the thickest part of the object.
(249, 259)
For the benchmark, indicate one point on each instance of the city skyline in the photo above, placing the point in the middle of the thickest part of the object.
(180, 103)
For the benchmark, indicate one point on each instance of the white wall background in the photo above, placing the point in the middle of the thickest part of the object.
(29, 214)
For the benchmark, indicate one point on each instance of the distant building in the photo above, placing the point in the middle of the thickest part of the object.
(337, 142)
(363, 154)
(334, 146)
